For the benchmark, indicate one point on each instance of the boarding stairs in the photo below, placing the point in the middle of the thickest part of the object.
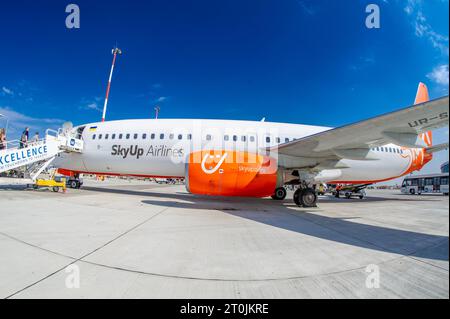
(29, 161)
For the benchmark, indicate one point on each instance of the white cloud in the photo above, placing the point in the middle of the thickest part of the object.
(423, 29)
(362, 63)
(93, 106)
(6, 91)
(439, 75)
(161, 99)
(18, 121)
(307, 7)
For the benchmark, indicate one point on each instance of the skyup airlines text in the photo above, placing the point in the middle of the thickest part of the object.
(154, 151)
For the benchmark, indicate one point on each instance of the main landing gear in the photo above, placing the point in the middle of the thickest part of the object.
(280, 193)
(305, 197)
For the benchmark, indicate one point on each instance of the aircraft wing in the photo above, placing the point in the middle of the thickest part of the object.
(355, 140)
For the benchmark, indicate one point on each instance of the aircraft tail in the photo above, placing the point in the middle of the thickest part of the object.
(421, 97)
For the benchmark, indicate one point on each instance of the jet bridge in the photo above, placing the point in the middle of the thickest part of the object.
(34, 157)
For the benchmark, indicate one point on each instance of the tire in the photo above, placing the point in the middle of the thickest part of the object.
(308, 198)
(336, 194)
(55, 189)
(297, 198)
(280, 193)
(73, 184)
(412, 191)
(361, 197)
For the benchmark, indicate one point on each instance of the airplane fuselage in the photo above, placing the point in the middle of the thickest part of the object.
(160, 148)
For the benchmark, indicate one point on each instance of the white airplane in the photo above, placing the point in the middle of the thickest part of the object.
(249, 158)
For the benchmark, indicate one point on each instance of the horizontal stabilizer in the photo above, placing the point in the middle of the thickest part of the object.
(437, 148)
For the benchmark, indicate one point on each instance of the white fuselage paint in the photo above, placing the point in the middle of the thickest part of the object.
(132, 154)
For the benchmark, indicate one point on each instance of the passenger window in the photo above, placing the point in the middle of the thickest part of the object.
(278, 140)
(234, 138)
(189, 136)
(208, 137)
(120, 136)
(152, 136)
(161, 136)
(93, 137)
(171, 136)
(180, 136)
(144, 136)
(252, 138)
(226, 137)
(113, 137)
(135, 136)
(106, 136)
(100, 136)
(127, 136)
(267, 139)
(243, 138)
(286, 140)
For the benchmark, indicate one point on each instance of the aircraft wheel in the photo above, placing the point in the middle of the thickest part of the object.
(308, 197)
(412, 191)
(297, 197)
(280, 193)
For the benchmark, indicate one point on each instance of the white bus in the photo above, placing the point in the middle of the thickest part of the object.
(432, 183)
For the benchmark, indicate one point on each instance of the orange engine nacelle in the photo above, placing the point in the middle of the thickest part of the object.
(231, 173)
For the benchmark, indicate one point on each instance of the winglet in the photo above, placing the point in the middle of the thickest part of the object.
(421, 97)
(422, 94)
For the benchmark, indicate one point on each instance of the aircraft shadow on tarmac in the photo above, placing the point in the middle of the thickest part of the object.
(306, 221)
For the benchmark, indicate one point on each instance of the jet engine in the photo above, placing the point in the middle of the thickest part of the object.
(231, 173)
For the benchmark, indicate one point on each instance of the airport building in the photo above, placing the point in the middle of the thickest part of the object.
(444, 167)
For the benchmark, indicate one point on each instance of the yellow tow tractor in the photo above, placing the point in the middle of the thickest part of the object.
(55, 183)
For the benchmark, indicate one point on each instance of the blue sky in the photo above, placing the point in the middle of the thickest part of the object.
(299, 61)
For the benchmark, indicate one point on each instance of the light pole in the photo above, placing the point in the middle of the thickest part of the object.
(115, 51)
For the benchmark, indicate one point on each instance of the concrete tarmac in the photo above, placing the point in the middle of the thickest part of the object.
(143, 240)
